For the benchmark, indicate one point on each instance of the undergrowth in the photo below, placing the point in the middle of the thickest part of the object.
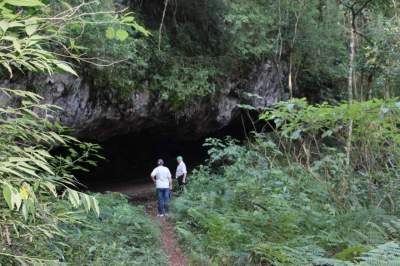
(288, 197)
(122, 235)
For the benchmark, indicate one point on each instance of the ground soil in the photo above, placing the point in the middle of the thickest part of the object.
(145, 194)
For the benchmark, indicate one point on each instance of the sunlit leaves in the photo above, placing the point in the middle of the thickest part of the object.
(78, 199)
(24, 3)
(31, 178)
(65, 67)
(129, 20)
(110, 33)
(4, 25)
(121, 35)
(31, 27)
(26, 39)
(118, 34)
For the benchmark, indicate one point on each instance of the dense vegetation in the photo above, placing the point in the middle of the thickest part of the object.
(44, 219)
(321, 188)
(122, 235)
(290, 197)
(195, 46)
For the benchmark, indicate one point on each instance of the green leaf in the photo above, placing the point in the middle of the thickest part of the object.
(128, 19)
(4, 25)
(31, 29)
(95, 206)
(86, 199)
(24, 211)
(110, 33)
(7, 194)
(73, 197)
(27, 3)
(122, 35)
(8, 67)
(44, 166)
(52, 188)
(16, 199)
(66, 68)
(17, 45)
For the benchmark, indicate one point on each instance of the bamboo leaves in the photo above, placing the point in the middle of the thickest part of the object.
(31, 178)
(65, 67)
(78, 199)
(24, 3)
(8, 195)
(4, 25)
(31, 26)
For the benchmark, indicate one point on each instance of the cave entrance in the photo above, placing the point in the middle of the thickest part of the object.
(131, 157)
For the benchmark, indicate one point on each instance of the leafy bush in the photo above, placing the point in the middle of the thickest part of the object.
(40, 222)
(288, 197)
(42, 217)
(123, 234)
(316, 137)
(33, 180)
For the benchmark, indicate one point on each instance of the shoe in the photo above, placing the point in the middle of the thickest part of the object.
(160, 215)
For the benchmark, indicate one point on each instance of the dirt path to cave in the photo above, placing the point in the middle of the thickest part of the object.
(170, 241)
(144, 194)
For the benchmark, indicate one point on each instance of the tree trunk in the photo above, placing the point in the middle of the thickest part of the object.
(350, 85)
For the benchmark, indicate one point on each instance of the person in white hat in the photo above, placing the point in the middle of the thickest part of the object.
(181, 172)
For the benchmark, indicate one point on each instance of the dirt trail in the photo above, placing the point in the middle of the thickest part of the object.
(145, 195)
(168, 235)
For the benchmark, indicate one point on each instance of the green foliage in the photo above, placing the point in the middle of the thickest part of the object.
(351, 253)
(288, 198)
(381, 55)
(22, 38)
(251, 27)
(319, 133)
(181, 84)
(386, 254)
(206, 42)
(122, 234)
(111, 42)
(34, 181)
(35, 39)
(41, 209)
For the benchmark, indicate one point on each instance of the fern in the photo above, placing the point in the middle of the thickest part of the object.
(383, 255)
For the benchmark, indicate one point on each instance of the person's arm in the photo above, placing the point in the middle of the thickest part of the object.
(170, 181)
(153, 176)
(184, 174)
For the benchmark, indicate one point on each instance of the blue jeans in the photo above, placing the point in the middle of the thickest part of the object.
(164, 195)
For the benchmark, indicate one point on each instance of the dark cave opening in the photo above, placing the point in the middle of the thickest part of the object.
(131, 157)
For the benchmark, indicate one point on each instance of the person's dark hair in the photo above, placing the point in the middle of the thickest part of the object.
(160, 162)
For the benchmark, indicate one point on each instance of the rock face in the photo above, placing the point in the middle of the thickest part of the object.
(100, 115)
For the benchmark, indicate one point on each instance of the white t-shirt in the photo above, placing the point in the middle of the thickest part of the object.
(162, 176)
(181, 169)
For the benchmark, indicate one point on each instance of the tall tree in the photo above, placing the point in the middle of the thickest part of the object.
(354, 10)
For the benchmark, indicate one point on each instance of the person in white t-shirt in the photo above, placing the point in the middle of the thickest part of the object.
(162, 178)
(181, 172)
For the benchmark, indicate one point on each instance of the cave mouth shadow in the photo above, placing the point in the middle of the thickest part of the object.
(130, 158)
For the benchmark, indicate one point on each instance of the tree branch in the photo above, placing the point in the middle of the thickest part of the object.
(161, 24)
(362, 7)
